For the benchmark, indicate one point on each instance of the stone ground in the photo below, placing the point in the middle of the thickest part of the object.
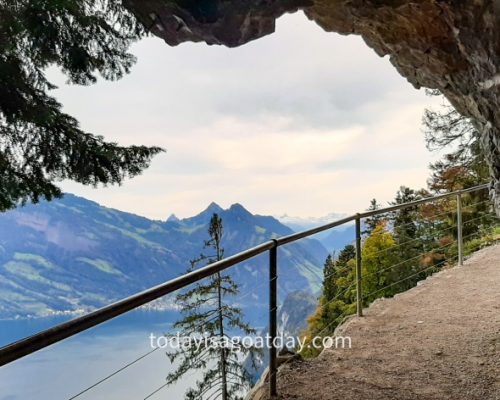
(440, 340)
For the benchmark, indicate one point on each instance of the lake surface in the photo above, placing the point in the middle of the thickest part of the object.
(64, 369)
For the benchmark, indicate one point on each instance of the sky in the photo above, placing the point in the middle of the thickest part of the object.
(301, 122)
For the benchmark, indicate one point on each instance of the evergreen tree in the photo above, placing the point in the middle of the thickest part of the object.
(399, 252)
(336, 274)
(207, 314)
(346, 254)
(337, 298)
(372, 222)
(39, 144)
(329, 287)
(407, 232)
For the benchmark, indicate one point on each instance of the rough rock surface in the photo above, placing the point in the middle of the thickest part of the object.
(437, 341)
(453, 45)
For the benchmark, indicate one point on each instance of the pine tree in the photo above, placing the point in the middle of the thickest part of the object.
(207, 314)
(329, 277)
(337, 298)
(372, 222)
(337, 276)
(39, 144)
(346, 254)
(407, 235)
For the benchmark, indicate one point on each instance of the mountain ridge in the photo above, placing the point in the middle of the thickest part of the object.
(73, 254)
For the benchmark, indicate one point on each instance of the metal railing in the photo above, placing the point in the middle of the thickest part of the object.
(65, 330)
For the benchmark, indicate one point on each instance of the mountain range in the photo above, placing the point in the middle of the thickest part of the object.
(73, 255)
(333, 240)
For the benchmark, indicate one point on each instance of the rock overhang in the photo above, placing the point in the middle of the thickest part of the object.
(452, 46)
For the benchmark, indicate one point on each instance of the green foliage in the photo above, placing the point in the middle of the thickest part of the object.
(486, 238)
(40, 144)
(463, 167)
(410, 241)
(337, 299)
(379, 258)
(206, 313)
(412, 244)
(372, 222)
(407, 245)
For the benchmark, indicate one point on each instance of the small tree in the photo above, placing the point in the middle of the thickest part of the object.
(337, 297)
(407, 234)
(207, 315)
(372, 222)
(379, 264)
(346, 254)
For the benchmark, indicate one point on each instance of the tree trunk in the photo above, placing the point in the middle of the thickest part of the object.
(221, 333)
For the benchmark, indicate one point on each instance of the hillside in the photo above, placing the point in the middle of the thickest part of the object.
(73, 254)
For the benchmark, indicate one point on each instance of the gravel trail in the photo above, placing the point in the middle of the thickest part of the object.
(440, 340)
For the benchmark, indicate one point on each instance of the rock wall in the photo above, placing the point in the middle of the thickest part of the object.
(453, 46)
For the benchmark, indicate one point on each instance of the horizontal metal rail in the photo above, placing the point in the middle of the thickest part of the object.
(301, 235)
(422, 201)
(310, 232)
(65, 330)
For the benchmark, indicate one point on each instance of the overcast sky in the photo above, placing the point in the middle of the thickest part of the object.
(301, 122)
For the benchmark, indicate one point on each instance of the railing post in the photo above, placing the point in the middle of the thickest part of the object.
(359, 289)
(460, 239)
(273, 319)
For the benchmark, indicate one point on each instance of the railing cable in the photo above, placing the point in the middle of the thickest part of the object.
(400, 281)
(107, 377)
(407, 260)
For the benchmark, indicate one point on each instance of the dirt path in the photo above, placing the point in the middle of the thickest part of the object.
(440, 340)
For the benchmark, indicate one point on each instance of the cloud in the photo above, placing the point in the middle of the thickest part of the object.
(302, 121)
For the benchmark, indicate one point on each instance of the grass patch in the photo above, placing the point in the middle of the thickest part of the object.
(74, 209)
(190, 230)
(101, 265)
(260, 230)
(152, 229)
(486, 239)
(26, 271)
(34, 259)
(138, 238)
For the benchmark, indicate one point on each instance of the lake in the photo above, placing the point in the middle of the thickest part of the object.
(64, 369)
